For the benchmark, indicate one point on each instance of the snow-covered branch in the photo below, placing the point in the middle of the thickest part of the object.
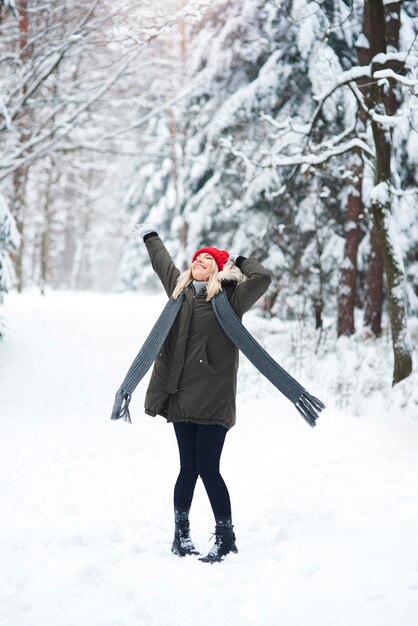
(279, 160)
(356, 73)
(409, 60)
(388, 73)
(325, 155)
(48, 138)
(349, 76)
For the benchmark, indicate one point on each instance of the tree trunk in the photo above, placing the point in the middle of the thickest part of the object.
(23, 30)
(347, 291)
(80, 256)
(18, 208)
(373, 304)
(318, 306)
(45, 244)
(395, 276)
(374, 281)
(393, 26)
(173, 142)
(268, 301)
(381, 200)
(20, 176)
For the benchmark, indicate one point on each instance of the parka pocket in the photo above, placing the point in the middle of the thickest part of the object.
(219, 352)
(161, 366)
(204, 359)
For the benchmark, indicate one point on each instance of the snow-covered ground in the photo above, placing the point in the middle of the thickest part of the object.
(326, 519)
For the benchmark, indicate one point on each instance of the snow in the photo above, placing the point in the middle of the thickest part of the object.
(351, 225)
(317, 159)
(380, 194)
(309, 26)
(393, 235)
(388, 73)
(353, 74)
(10, 4)
(404, 57)
(362, 42)
(5, 113)
(347, 265)
(390, 121)
(325, 518)
(248, 97)
(9, 242)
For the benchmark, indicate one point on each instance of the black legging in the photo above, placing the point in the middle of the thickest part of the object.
(200, 448)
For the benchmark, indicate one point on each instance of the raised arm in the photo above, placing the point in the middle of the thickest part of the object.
(249, 291)
(161, 261)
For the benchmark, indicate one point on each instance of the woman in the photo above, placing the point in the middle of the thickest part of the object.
(193, 383)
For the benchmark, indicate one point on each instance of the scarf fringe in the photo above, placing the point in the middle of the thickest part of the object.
(309, 407)
(121, 406)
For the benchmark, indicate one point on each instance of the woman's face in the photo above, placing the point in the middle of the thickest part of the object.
(202, 266)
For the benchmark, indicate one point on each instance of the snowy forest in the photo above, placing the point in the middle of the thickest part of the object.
(282, 130)
(285, 130)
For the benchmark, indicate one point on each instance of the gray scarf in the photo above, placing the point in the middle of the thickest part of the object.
(307, 405)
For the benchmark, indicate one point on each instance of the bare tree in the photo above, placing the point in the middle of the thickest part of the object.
(73, 99)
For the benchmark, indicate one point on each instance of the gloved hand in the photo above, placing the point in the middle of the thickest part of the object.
(232, 258)
(140, 230)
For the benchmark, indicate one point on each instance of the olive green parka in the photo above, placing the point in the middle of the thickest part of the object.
(195, 375)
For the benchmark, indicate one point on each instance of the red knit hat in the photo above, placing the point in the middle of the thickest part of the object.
(220, 256)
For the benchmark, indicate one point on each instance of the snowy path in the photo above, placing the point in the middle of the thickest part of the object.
(326, 519)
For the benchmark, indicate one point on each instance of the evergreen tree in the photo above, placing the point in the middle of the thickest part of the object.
(9, 244)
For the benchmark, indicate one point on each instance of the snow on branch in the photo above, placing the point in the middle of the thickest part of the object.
(325, 155)
(380, 194)
(10, 4)
(388, 73)
(50, 66)
(353, 74)
(349, 78)
(9, 242)
(288, 124)
(52, 136)
(278, 160)
(141, 23)
(366, 71)
(44, 68)
(5, 112)
(407, 59)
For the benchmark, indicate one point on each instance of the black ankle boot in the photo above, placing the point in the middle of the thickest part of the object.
(224, 544)
(182, 542)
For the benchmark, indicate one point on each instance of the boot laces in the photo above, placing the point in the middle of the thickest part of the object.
(214, 550)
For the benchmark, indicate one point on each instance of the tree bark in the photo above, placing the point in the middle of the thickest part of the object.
(20, 176)
(347, 290)
(374, 281)
(18, 209)
(373, 304)
(23, 30)
(393, 27)
(45, 243)
(381, 200)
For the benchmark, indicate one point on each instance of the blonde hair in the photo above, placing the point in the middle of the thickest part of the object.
(214, 284)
